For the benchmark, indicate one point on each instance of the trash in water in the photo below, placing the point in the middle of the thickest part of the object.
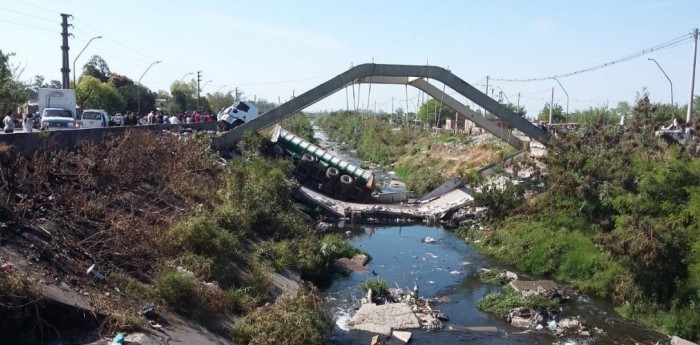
(455, 272)
(465, 263)
(429, 240)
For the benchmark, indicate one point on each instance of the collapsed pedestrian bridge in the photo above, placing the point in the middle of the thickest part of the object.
(412, 75)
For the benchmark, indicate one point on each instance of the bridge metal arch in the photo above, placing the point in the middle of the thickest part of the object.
(396, 74)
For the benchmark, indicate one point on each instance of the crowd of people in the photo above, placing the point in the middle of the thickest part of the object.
(157, 117)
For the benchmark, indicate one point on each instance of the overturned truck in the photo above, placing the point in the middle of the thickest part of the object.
(334, 176)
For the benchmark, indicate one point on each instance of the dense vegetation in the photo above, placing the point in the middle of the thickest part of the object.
(421, 158)
(619, 218)
(182, 231)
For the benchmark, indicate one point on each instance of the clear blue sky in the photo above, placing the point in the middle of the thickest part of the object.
(271, 49)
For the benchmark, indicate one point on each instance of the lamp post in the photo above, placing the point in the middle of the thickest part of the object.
(222, 86)
(186, 74)
(138, 90)
(669, 81)
(567, 97)
(207, 82)
(81, 52)
(503, 93)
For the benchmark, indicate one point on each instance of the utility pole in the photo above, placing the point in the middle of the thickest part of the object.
(551, 105)
(199, 80)
(487, 92)
(237, 95)
(518, 100)
(65, 69)
(692, 76)
(392, 109)
(670, 82)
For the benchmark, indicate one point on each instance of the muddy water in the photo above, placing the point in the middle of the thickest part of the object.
(399, 257)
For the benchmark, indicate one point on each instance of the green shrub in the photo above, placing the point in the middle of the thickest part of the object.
(493, 277)
(500, 303)
(335, 246)
(298, 319)
(378, 286)
(190, 296)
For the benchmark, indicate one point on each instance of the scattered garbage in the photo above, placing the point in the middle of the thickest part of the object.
(119, 339)
(455, 272)
(429, 240)
(93, 272)
(185, 272)
(148, 311)
(7, 266)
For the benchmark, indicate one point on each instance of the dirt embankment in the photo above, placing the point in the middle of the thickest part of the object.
(107, 205)
(455, 157)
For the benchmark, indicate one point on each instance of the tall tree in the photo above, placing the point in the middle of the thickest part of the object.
(91, 93)
(434, 112)
(98, 68)
(40, 83)
(184, 95)
(118, 80)
(132, 98)
(12, 92)
(220, 100)
(557, 114)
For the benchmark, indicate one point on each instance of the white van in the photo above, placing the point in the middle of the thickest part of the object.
(94, 118)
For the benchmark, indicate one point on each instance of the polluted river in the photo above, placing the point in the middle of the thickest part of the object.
(446, 272)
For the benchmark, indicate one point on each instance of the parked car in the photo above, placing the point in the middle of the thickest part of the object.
(94, 118)
(56, 119)
(117, 120)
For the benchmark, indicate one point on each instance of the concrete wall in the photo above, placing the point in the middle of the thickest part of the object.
(28, 143)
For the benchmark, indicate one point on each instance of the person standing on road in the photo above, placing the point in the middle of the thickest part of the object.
(9, 123)
(27, 123)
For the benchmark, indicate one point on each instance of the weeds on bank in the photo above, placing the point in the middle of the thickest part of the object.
(501, 303)
(292, 319)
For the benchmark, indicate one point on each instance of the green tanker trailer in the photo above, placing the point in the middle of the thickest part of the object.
(335, 176)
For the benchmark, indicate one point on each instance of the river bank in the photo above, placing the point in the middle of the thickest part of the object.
(399, 256)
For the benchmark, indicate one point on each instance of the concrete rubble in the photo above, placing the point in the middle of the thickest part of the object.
(382, 319)
(403, 336)
(355, 264)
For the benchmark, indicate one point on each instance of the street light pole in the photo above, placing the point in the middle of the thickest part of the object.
(81, 52)
(183, 77)
(138, 90)
(222, 86)
(207, 82)
(503, 93)
(670, 82)
(567, 97)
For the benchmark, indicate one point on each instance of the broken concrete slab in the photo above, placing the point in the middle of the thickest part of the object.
(522, 322)
(485, 329)
(533, 285)
(680, 341)
(285, 282)
(403, 336)
(383, 318)
(143, 339)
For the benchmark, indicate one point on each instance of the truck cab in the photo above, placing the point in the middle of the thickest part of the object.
(236, 115)
(94, 118)
(56, 119)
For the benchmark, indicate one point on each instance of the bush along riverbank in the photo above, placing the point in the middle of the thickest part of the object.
(618, 218)
(166, 226)
(421, 158)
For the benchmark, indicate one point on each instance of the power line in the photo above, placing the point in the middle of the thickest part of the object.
(37, 6)
(27, 15)
(26, 25)
(666, 45)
